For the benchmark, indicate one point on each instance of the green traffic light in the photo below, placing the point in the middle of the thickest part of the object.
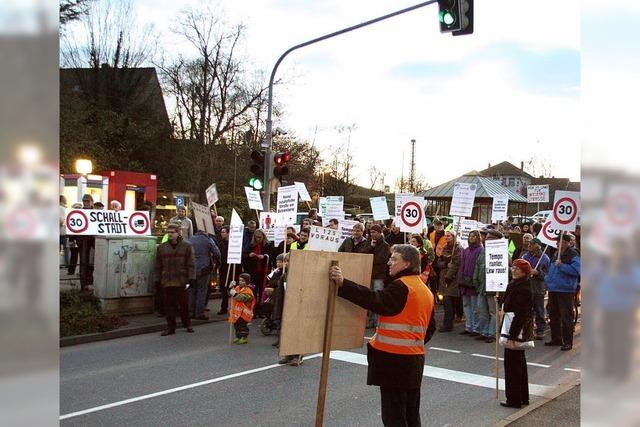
(255, 183)
(447, 18)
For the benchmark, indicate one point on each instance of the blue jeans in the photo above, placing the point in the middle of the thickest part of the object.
(486, 316)
(198, 295)
(372, 318)
(470, 307)
(538, 310)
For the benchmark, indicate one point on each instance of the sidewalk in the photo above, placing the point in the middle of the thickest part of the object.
(561, 410)
(144, 324)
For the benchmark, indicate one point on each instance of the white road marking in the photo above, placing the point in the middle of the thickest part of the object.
(572, 370)
(447, 374)
(485, 356)
(539, 365)
(445, 349)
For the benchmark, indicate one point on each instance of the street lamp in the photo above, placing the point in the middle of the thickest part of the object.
(84, 166)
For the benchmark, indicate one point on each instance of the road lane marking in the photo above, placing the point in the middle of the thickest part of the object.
(447, 374)
(445, 349)
(175, 390)
(572, 370)
(539, 365)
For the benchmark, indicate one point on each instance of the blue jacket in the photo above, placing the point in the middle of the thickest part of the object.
(204, 248)
(565, 277)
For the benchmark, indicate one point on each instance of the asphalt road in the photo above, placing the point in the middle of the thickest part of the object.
(199, 380)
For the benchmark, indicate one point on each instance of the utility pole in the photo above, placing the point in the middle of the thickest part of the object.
(412, 176)
(402, 175)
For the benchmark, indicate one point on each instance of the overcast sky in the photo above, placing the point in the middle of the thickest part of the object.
(508, 92)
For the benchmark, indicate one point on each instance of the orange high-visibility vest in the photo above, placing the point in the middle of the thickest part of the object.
(404, 333)
(442, 242)
(242, 309)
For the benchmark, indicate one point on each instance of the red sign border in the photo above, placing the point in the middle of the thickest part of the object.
(545, 227)
(420, 218)
(86, 220)
(142, 215)
(575, 210)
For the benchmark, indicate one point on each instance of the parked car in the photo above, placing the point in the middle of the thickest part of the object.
(541, 216)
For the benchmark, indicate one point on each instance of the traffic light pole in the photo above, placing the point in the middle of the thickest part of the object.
(267, 143)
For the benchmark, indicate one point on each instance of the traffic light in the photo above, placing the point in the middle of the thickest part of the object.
(456, 16)
(466, 18)
(448, 15)
(280, 168)
(256, 180)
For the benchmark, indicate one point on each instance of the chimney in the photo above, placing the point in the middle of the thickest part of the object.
(489, 165)
(521, 166)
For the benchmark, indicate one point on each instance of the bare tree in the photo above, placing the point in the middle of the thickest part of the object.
(72, 10)
(376, 176)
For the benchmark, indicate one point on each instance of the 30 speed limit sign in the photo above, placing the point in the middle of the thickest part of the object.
(566, 207)
(411, 215)
(548, 235)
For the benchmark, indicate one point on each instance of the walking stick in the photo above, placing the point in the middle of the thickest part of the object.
(543, 252)
(326, 350)
(497, 349)
(258, 216)
(233, 275)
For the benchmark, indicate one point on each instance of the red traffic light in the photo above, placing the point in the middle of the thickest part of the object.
(286, 156)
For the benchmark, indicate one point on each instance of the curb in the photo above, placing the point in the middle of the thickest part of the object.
(127, 332)
(559, 391)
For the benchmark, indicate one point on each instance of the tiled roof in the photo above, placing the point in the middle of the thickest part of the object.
(487, 188)
(504, 169)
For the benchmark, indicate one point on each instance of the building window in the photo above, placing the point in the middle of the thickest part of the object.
(512, 182)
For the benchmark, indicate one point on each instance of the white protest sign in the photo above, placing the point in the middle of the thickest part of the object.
(466, 227)
(302, 191)
(90, 222)
(288, 200)
(322, 206)
(399, 199)
(236, 233)
(324, 239)
(500, 207)
(411, 214)
(253, 198)
(346, 228)
(463, 196)
(202, 215)
(279, 233)
(548, 235)
(379, 208)
(497, 264)
(212, 194)
(566, 206)
(272, 223)
(334, 208)
(538, 193)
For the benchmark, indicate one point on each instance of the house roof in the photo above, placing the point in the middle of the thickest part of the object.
(486, 188)
(504, 169)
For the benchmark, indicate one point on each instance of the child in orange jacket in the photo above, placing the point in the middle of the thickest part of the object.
(242, 303)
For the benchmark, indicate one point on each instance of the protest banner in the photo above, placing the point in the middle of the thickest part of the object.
(464, 195)
(202, 215)
(500, 207)
(566, 206)
(85, 222)
(411, 214)
(236, 233)
(287, 200)
(324, 239)
(538, 193)
(497, 265)
(253, 198)
(398, 201)
(302, 191)
(379, 208)
(212, 194)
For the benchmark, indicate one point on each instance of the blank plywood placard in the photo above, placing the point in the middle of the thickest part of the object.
(305, 304)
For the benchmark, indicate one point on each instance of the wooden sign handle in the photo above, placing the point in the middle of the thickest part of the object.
(326, 350)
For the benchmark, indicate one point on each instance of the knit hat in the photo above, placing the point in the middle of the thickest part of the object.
(523, 265)
(376, 227)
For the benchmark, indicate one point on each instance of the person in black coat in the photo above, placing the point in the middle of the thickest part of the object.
(256, 260)
(518, 300)
(398, 375)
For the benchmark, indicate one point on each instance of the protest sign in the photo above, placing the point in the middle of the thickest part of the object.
(202, 215)
(538, 193)
(322, 206)
(464, 195)
(497, 265)
(379, 208)
(324, 239)
(85, 222)
(411, 214)
(566, 206)
(466, 226)
(346, 228)
(399, 199)
(236, 233)
(621, 208)
(302, 191)
(212, 194)
(334, 208)
(500, 207)
(270, 222)
(287, 200)
(253, 197)
(548, 235)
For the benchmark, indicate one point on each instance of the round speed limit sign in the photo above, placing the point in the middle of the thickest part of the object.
(411, 214)
(77, 222)
(565, 210)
